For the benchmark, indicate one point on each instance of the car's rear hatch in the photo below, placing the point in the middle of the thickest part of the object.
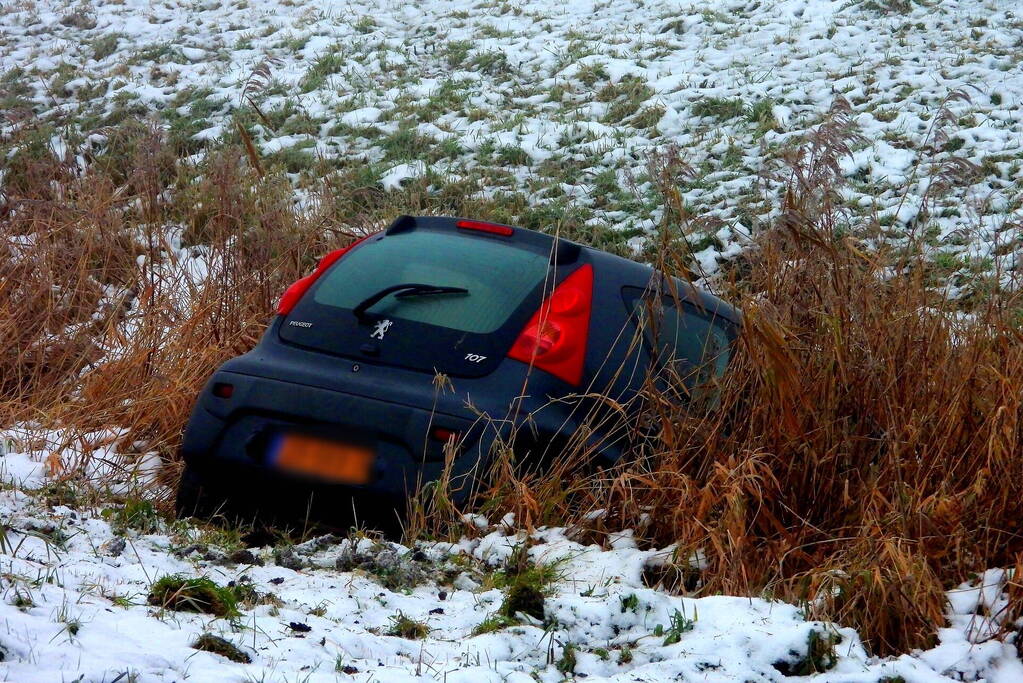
(492, 282)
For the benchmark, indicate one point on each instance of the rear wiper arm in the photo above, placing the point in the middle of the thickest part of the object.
(404, 291)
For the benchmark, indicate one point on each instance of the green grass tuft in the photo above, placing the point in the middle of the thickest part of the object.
(405, 627)
(193, 595)
(137, 514)
(566, 664)
(493, 623)
(719, 108)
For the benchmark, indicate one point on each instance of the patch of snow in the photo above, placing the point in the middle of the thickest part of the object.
(396, 175)
(331, 612)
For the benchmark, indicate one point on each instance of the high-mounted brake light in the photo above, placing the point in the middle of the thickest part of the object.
(298, 289)
(492, 228)
(554, 339)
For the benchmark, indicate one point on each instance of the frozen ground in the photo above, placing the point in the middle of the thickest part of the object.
(76, 570)
(556, 107)
(553, 109)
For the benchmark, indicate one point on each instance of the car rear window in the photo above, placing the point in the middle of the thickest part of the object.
(498, 278)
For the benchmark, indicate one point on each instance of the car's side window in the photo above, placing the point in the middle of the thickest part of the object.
(693, 339)
(686, 343)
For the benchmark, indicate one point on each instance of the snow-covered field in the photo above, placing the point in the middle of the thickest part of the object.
(557, 106)
(76, 578)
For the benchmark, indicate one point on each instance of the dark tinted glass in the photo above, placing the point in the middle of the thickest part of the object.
(497, 275)
(694, 343)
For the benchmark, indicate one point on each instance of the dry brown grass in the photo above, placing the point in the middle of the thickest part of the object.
(866, 453)
(864, 456)
(108, 321)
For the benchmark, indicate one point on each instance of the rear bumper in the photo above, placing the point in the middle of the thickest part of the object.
(228, 438)
(246, 492)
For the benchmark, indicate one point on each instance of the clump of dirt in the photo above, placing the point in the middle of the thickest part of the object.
(523, 596)
(396, 571)
(208, 642)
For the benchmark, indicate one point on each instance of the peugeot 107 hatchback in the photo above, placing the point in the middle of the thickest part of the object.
(438, 337)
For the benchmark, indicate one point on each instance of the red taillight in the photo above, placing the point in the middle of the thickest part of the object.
(554, 339)
(223, 390)
(492, 228)
(293, 293)
(298, 289)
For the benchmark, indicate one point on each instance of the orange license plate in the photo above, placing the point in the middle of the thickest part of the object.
(340, 462)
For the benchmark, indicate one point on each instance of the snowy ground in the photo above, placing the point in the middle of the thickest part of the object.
(76, 572)
(556, 106)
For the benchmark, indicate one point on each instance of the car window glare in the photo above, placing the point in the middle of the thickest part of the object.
(498, 276)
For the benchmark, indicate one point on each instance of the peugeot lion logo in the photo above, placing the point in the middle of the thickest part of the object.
(381, 329)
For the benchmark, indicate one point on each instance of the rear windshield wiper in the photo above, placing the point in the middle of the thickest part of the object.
(404, 291)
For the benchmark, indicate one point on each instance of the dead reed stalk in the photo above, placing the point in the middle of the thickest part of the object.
(863, 454)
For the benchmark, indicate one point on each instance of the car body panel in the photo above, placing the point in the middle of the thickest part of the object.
(280, 387)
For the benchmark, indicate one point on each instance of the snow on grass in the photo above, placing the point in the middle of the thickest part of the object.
(561, 103)
(78, 603)
(557, 104)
